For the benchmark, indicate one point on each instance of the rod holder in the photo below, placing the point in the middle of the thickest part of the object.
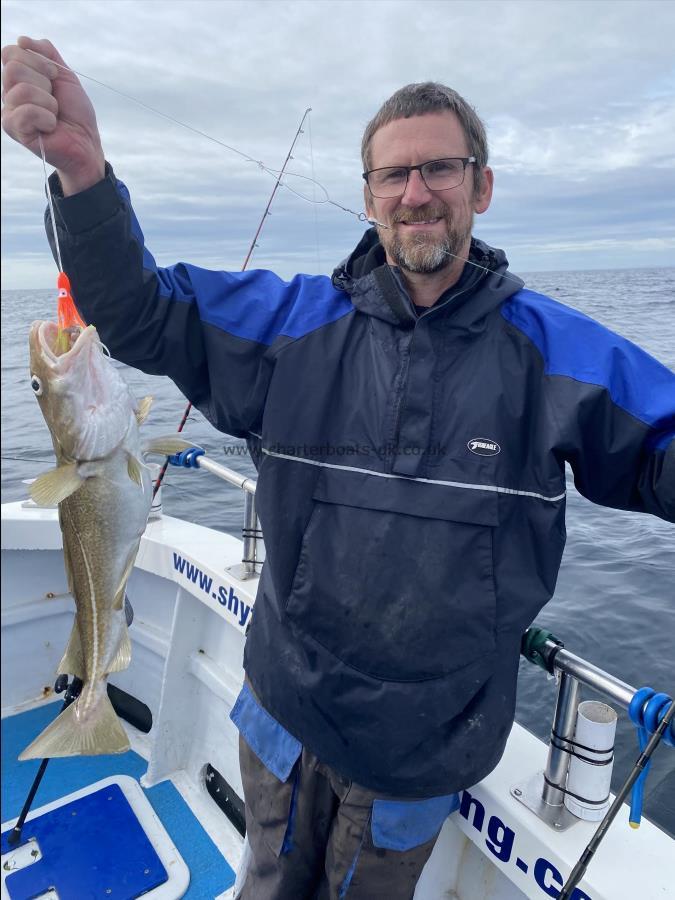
(252, 534)
(564, 723)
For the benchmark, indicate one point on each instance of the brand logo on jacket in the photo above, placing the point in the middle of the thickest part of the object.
(484, 447)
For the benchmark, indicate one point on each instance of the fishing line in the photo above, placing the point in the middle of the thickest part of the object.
(476, 265)
(104, 349)
(274, 173)
(51, 204)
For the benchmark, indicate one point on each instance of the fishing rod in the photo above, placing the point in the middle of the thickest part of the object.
(275, 188)
(252, 247)
(579, 870)
(72, 693)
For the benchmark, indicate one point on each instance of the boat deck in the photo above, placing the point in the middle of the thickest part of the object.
(210, 873)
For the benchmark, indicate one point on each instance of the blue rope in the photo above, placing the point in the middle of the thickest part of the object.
(646, 710)
(187, 458)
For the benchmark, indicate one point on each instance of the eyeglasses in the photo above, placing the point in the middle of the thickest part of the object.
(437, 174)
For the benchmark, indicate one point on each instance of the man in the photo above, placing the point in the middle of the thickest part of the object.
(412, 417)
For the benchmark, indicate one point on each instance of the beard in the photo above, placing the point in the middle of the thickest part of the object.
(425, 252)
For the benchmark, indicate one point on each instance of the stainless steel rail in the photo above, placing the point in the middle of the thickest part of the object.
(251, 532)
(564, 723)
(229, 475)
(592, 676)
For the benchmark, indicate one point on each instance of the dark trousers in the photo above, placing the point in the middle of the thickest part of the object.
(310, 838)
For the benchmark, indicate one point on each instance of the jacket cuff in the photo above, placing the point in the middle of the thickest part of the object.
(89, 208)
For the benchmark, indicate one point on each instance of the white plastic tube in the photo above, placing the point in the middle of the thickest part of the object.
(590, 771)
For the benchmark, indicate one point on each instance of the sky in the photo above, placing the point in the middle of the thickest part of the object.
(578, 99)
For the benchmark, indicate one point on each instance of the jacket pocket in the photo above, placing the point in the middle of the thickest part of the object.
(403, 825)
(395, 576)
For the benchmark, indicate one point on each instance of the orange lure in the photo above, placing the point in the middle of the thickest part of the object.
(67, 313)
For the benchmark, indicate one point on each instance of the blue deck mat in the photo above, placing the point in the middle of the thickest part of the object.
(210, 873)
(82, 844)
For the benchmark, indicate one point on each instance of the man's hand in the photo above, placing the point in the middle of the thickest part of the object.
(42, 99)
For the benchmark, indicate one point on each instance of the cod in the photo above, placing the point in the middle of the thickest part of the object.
(103, 490)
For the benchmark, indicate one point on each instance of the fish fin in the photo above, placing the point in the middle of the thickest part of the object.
(118, 599)
(143, 409)
(123, 656)
(101, 732)
(73, 659)
(134, 470)
(167, 445)
(52, 487)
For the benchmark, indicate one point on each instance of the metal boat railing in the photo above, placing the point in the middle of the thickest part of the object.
(574, 672)
(544, 794)
(251, 532)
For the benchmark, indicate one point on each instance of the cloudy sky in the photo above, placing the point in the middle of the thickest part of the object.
(578, 98)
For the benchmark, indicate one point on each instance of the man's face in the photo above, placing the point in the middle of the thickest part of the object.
(427, 229)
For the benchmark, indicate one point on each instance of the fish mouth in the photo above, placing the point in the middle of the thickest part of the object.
(61, 347)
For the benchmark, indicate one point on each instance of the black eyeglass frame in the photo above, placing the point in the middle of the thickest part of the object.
(465, 160)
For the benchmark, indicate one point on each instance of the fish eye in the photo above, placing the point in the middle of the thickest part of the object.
(36, 384)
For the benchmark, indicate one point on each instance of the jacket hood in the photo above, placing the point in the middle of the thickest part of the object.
(379, 290)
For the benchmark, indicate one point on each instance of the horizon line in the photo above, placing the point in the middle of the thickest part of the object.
(523, 272)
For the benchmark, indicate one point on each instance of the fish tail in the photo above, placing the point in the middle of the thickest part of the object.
(72, 735)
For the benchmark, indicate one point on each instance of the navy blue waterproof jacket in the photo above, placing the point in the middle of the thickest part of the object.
(411, 474)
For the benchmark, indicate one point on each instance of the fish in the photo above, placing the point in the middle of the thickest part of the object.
(103, 489)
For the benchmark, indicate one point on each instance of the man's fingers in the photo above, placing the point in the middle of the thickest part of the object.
(17, 72)
(13, 55)
(30, 94)
(25, 123)
(43, 47)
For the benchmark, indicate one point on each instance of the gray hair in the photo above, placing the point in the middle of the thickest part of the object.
(430, 97)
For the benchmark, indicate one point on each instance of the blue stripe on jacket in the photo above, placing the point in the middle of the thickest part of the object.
(575, 346)
(255, 305)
